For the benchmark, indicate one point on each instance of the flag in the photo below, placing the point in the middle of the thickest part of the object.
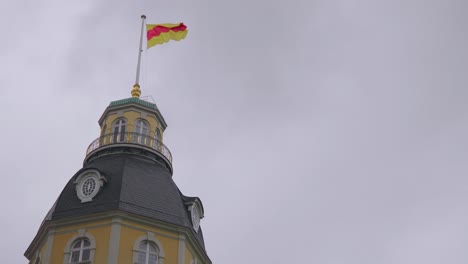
(162, 33)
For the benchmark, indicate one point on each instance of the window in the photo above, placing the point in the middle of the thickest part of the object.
(147, 253)
(196, 211)
(157, 136)
(147, 249)
(119, 130)
(80, 251)
(141, 132)
(80, 248)
(141, 127)
(88, 184)
(195, 217)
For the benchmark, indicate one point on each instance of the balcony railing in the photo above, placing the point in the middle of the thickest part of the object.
(130, 138)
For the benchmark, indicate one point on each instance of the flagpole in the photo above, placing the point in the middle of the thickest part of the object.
(136, 92)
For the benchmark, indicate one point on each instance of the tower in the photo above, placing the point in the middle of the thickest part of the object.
(123, 206)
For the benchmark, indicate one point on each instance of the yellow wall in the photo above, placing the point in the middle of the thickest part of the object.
(131, 116)
(130, 232)
(100, 232)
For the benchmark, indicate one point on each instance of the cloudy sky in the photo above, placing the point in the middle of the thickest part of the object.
(314, 131)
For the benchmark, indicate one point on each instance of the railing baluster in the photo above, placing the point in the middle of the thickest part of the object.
(130, 138)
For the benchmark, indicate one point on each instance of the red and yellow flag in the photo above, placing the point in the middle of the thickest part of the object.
(162, 33)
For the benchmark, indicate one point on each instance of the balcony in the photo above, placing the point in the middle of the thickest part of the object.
(130, 138)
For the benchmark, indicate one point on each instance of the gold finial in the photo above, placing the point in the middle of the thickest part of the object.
(136, 92)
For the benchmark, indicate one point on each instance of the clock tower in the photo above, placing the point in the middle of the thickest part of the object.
(123, 205)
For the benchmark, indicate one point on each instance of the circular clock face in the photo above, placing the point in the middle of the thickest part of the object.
(195, 217)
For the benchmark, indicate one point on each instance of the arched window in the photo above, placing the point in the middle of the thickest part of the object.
(119, 130)
(80, 248)
(141, 127)
(80, 251)
(148, 249)
(141, 132)
(157, 137)
(147, 253)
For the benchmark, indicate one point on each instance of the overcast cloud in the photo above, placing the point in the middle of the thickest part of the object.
(319, 131)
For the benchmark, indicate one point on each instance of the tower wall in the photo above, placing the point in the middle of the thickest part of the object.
(123, 202)
(63, 236)
(131, 116)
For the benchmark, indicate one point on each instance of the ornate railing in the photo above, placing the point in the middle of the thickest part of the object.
(130, 138)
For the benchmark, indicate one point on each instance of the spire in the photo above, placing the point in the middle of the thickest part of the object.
(136, 92)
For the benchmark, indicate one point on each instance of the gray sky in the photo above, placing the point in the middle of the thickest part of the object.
(314, 131)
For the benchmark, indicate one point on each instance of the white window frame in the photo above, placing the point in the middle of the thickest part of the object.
(198, 205)
(141, 136)
(68, 248)
(140, 125)
(147, 251)
(121, 125)
(80, 179)
(157, 138)
(80, 250)
(151, 238)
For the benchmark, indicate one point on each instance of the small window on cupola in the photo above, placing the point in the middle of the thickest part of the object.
(119, 130)
(157, 137)
(142, 129)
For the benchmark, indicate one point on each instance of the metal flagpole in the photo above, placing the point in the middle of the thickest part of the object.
(136, 92)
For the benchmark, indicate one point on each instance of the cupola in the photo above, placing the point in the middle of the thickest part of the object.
(134, 123)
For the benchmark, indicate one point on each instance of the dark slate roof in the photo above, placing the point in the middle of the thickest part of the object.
(134, 184)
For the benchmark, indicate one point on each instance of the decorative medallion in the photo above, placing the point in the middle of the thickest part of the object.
(88, 184)
(195, 217)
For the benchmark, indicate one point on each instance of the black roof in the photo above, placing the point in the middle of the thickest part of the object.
(134, 184)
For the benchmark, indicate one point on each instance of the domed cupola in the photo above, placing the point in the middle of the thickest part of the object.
(131, 125)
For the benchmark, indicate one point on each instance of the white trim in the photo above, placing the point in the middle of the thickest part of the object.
(114, 241)
(38, 256)
(48, 247)
(80, 180)
(199, 205)
(196, 204)
(181, 255)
